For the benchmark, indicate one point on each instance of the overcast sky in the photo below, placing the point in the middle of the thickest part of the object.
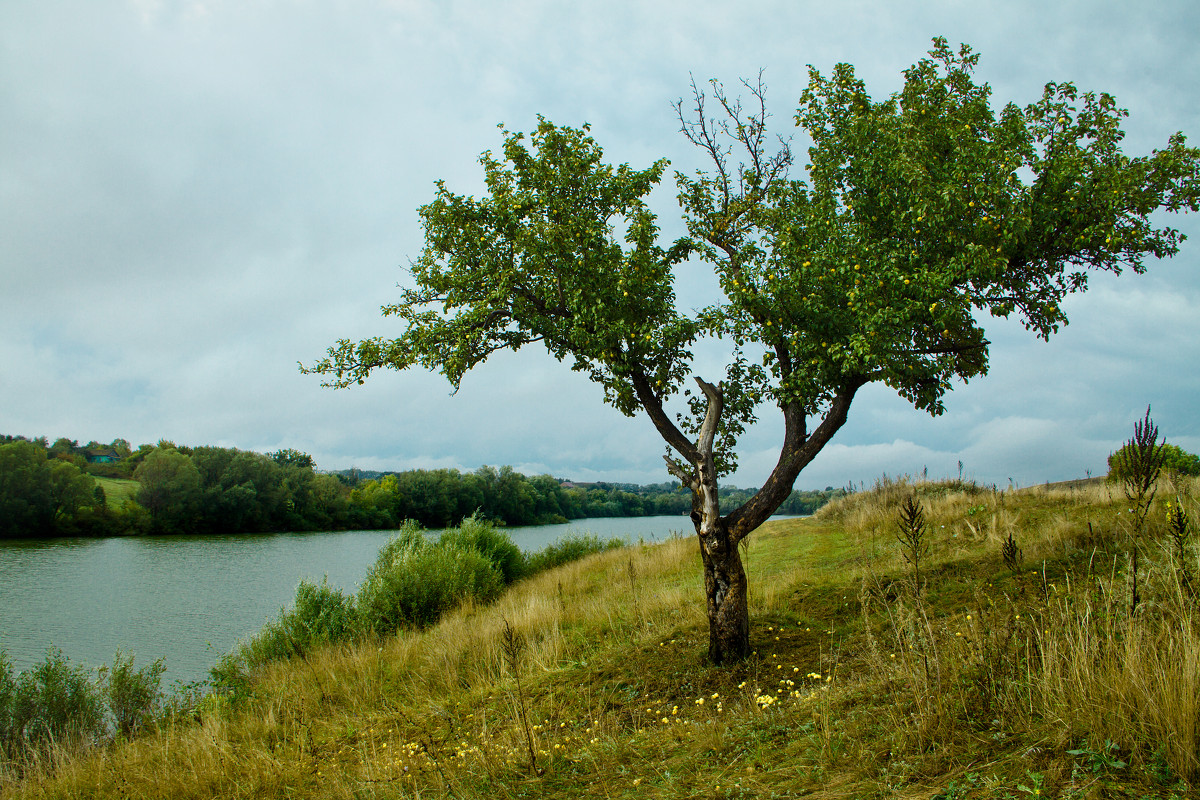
(195, 196)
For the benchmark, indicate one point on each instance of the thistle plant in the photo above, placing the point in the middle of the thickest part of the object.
(1139, 463)
(511, 644)
(914, 546)
(1011, 554)
(1179, 529)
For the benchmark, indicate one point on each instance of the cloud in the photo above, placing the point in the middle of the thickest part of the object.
(197, 195)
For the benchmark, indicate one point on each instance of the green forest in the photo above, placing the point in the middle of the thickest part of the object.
(68, 489)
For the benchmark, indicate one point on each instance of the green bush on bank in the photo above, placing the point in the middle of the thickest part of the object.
(321, 615)
(133, 695)
(53, 701)
(568, 549)
(57, 703)
(413, 582)
(495, 545)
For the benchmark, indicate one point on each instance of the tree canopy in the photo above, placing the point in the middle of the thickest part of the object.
(1174, 460)
(917, 216)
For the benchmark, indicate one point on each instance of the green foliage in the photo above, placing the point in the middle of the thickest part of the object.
(57, 703)
(25, 500)
(51, 702)
(324, 615)
(320, 616)
(1175, 459)
(9, 732)
(413, 582)
(568, 549)
(133, 696)
(241, 491)
(42, 496)
(1101, 760)
(537, 260)
(918, 216)
(493, 544)
(293, 458)
(170, 489)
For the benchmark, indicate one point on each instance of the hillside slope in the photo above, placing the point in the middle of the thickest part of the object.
(993, 677)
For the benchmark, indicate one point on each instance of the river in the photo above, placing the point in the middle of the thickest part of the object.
(188, 599)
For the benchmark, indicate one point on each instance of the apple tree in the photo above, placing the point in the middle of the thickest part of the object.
(915, 218)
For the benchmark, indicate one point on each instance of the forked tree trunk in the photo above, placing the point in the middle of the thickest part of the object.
(724, 577)
(725, 586)
(725, 590)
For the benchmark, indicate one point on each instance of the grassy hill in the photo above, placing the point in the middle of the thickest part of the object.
(1008, 672)
(117, 490)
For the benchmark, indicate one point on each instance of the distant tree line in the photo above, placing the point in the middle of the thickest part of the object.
(444, 497)
(59, 490)
(44, 495)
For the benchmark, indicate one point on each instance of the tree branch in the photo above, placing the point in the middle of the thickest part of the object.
(797, 452)
(652, 404)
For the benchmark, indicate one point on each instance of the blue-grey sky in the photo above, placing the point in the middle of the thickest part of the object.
(195, 195)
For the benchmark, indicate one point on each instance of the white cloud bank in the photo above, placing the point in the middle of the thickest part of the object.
(195, 196)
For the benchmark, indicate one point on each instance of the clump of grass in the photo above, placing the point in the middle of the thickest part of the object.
(569, 548)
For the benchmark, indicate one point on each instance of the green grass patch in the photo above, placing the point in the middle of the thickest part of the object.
(117, 490)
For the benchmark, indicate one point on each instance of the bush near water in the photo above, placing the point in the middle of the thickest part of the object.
(414, 581)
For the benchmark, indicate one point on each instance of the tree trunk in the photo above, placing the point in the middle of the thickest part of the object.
(724, 576)
(725, 591)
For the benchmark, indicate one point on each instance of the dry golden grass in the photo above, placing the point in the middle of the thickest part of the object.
(995, 678)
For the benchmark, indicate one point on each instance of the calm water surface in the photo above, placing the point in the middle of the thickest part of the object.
(189, 599)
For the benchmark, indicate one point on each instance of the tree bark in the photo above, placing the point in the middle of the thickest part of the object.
(724, 576)
(725, 591)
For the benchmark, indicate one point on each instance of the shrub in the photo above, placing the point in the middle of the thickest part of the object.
(321, 615)
(53, 701)
(567, 549)
(413, 582)
(133, 695)
(8, 696)
(494, 545)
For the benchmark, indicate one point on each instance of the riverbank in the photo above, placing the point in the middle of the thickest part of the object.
(998, 677)
(189, 599)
